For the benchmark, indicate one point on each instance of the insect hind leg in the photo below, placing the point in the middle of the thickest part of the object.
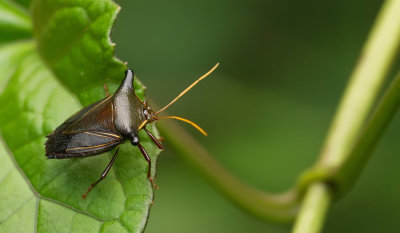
(103, 175)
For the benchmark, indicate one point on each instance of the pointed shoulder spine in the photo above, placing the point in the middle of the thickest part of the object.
(129, 73)
(127, 83)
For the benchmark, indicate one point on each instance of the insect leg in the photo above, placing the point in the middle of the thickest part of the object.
(155, 140)
(103, 175)
(146, 156)
(105, 87)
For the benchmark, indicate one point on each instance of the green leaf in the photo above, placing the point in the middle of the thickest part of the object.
(14, 22)
(73, 39)
(42, 82)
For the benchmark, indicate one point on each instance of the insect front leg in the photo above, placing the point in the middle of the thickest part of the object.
(103, 175)
(146, 156)
(155, 140)
(105, 87)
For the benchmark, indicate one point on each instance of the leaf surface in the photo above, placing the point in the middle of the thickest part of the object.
(44, 80)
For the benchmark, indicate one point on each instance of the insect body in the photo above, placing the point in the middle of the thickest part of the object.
(105, 124)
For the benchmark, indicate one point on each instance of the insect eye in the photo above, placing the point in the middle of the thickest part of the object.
(146, 114)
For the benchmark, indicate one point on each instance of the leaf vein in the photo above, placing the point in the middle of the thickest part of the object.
(19, 169)
(123, 225)
(36, 214)
(17, 209)
(5, 176)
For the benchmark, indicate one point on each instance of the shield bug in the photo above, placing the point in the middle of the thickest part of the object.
(103, 125)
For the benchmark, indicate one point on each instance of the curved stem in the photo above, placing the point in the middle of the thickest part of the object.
(348, 173)
(276, 207)
(365, 83)
(315, 206)
(357, 101)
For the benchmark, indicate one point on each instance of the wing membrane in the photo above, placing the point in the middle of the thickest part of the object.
(88, 132)
(82, 144)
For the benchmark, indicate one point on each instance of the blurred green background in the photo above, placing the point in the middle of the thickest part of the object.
(284, 66)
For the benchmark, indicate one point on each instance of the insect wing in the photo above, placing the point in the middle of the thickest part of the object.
(92, 142)
(96, 117)
(88, 132)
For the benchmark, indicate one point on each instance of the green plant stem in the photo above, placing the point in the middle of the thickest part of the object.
(365, 83)
(317, 198)
(276, 207)
(348, 173)
(315, 207)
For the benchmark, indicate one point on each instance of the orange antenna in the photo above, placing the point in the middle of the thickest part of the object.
(187, 89)
(187, 121)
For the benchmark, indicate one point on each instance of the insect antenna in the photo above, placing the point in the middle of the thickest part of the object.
(178, 97)
(187, 121)
(188, 88)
